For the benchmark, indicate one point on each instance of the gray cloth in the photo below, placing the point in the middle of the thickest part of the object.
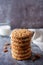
(6, 58)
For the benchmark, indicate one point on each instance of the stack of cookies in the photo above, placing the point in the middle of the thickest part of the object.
(21, 44)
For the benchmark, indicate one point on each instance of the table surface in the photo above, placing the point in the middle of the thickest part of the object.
(6, 58)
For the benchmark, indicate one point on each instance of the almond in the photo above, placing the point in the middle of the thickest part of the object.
(5, 50)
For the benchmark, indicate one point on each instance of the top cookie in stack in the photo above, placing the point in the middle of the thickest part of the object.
(20, 44)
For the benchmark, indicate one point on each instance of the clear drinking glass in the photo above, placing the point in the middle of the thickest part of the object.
(5, 28)
(5, 18)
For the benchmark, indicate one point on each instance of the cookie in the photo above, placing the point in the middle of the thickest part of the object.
(18, 58)
(21, 51)
(21, 33)
(22, 40)
(20, 47)
(20, 44)
(21, 55)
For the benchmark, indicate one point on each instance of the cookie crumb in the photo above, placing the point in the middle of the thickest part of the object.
(5, 47)
(34, 58)
(5, 50)
(7, 44)
(38, 56)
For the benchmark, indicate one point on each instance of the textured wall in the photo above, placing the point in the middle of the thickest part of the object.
(23, 13)
(5, 8)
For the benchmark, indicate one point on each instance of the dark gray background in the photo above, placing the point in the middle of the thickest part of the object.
(22, 13)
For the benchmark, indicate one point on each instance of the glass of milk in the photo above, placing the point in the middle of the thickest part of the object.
(5, 28)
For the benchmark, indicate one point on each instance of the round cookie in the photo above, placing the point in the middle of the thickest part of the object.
(20, 44)
(21, 55)
(17, 58)
(17, 40)
(20, 48)
(22, 58)
(21, 41)
(21, 33)
(21, 52)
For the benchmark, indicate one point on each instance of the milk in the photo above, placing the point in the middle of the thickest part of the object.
(5, 30)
